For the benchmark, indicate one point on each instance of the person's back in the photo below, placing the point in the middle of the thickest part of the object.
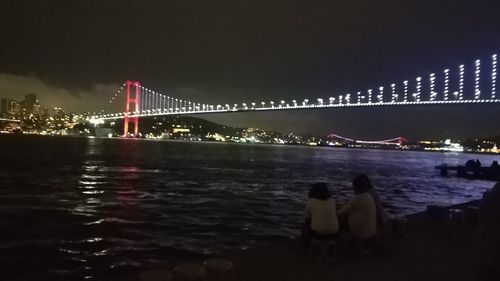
(381, 216)
(323, 223)
(362, 214)
(323, 215)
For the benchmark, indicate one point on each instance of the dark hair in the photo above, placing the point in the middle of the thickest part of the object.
(361, 184)
(319, 191)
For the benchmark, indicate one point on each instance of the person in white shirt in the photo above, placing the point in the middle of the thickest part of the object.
(381, 215)
(322, 218)
(362, 214)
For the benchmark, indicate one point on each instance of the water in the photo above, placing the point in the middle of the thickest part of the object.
(76, 208)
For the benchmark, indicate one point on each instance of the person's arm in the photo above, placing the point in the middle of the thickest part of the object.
(348, 208)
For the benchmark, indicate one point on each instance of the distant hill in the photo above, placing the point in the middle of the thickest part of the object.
(197, 126)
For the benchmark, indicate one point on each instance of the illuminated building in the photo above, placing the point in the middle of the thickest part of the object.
(3, 107)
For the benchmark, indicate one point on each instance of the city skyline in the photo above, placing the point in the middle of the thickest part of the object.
(219, 56)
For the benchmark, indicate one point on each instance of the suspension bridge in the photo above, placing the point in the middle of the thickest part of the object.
(393, 141)
(464, 84)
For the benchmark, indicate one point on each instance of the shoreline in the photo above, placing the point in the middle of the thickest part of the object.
(432, 249)
(256, 144)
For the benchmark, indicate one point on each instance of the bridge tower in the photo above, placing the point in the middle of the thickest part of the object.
(132, 103)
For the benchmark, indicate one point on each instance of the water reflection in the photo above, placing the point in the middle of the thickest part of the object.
(112, 205)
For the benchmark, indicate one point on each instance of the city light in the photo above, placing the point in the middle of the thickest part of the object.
(369, 95)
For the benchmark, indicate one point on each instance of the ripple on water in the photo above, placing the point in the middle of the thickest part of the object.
(113, 205)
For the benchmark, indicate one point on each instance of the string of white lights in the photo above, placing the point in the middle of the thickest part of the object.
(432, 85)
(477, 72)
(446, 83)
(394, 96)
(154, 103)
(493, 75)
(406, 91)
(419, 89)
(461, 82)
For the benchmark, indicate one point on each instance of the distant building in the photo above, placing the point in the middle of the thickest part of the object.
(3, 107)
(30, 102)
(13, 107)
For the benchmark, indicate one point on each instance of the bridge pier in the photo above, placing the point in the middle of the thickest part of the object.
(127, 120)
(131, 102)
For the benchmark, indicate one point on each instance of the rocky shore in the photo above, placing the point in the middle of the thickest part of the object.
(440, 244)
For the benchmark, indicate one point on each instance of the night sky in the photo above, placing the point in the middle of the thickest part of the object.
(75, 53)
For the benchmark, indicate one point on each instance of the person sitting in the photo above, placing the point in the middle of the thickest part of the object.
(470, 164)
(362, 216)
(321, 210)
(364, 181)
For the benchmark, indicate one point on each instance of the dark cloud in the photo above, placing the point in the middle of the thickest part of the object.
(93, 98)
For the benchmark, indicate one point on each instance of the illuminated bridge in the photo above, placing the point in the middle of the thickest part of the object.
(474, 83)
(10, 120)
(393, 141)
